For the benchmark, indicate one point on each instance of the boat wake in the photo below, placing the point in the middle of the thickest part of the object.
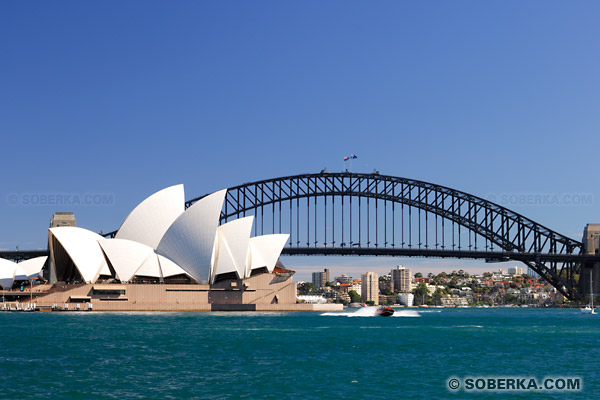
(370, 312)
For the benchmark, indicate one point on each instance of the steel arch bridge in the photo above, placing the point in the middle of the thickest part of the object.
(371, 214)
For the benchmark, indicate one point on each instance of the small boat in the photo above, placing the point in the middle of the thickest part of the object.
(589, 309)
(384, 311)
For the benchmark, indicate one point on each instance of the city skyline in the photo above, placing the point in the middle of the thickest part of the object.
(385, 265)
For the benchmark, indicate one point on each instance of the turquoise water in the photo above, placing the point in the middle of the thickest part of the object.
(290, 355)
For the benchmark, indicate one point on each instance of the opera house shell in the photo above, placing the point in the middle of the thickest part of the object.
(11, 272)
(161, 241)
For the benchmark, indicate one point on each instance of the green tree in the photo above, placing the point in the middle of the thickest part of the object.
(418, 275)
(421, 294)
(354, 296)
(453, 282)
(437, 296)
(510, 299)
(385, 291)
(306, 288)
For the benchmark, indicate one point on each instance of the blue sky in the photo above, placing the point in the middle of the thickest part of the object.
(124, 98)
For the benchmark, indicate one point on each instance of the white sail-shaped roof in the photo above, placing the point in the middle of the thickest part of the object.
(33, 267)
(232, 247)
(149, 221)
(126, 256)
(7, 273)
(169, 268)
(150, 267)
(265, 251)
(84, 250)
(20, 275)
(190, 240)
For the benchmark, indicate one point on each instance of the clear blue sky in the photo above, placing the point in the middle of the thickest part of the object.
(125, 98)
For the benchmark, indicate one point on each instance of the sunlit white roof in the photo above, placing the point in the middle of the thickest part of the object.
(149, 221)
(150, 267)
(84, 250)
(7, 273)
(125, 256)
(33, 267)
(190, 240)
(265, 251)
(169, 268)
(20, 275)
(232, 247)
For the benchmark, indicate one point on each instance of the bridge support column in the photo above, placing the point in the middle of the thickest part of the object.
(590, 270)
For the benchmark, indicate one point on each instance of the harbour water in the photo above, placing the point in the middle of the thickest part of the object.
(292, 355)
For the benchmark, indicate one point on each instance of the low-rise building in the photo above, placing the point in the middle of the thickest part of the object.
(407, 299)
(454, 301)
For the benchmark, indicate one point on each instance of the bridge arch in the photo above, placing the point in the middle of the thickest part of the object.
(340, 213)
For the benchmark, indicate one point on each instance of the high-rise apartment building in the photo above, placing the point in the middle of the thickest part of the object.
(401, 279)
(320, 278)
(370, 287)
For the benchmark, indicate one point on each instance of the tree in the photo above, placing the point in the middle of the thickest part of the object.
(437, 296)
(306, 288)
(418, 275)
(453, 282)
(510, 299)
(354, 296)
(421, 294)
(385, 291)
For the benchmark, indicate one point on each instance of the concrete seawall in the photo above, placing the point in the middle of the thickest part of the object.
(140, 297)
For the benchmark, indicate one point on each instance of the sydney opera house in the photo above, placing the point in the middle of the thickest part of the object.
(163, 258)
